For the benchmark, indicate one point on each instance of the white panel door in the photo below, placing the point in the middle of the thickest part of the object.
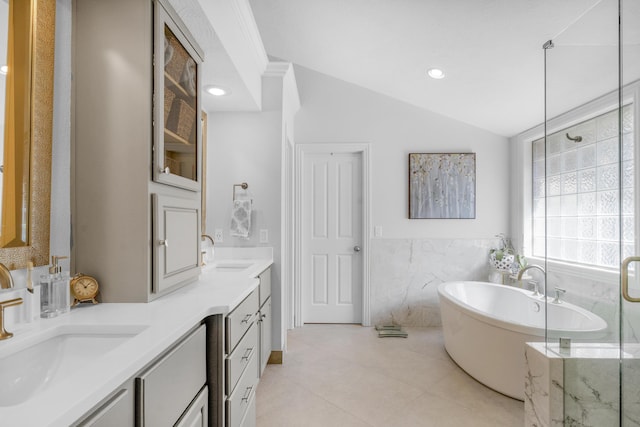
(332, 237)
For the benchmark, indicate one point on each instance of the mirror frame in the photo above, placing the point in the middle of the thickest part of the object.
(42, 66)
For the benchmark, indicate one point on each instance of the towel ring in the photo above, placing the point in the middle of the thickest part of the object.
(244, 186)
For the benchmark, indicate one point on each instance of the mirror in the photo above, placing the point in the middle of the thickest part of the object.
(26, 121)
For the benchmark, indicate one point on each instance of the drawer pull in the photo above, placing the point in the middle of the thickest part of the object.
(247, 318)
(248, 353)
(247, 394)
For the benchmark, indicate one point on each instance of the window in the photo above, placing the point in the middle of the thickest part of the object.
(584, 190)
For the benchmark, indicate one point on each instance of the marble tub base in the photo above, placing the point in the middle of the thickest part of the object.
(580, 387)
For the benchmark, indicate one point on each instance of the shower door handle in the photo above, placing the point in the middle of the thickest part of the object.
(625, 278)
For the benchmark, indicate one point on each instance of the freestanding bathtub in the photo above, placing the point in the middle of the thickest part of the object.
(486, 327)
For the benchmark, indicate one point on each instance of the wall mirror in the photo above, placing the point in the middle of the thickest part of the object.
(27, 39)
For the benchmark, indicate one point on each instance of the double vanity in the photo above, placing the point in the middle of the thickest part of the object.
(190, 358)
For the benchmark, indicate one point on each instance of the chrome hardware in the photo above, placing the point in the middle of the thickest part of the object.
(574, 139)
(625, 278)
(263, 316)
(536, 290)
(6, 280)
(247, 354)
(4, 304)
(559, 293)
(164, 243)
(165, 170)
(247, 395)
(246, 318)
(357, 249)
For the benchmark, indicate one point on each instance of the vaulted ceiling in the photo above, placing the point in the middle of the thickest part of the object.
(490, 50)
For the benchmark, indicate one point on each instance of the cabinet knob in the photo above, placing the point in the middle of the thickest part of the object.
(357, 249)
(164, 243)
(165, 170)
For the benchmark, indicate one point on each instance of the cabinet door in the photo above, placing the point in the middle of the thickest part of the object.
(166, 389)
(265, 285)
(197, 413)
(176, 241)
(265, 335)
(177, 104)
(118, 410)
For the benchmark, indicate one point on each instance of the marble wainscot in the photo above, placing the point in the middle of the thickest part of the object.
(405, 274)
(581, 386)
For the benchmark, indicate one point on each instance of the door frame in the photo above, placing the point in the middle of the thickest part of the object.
(363, 149)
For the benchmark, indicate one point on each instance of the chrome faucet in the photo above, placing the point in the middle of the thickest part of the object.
(536, 289)
(529, 267)
(559, 292)
(536, 292)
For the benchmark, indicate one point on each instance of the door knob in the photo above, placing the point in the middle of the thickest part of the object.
(356, 249)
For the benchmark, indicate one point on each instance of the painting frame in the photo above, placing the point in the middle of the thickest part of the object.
(442, 186)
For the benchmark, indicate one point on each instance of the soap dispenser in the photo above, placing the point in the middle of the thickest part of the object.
(60, 283)
(54, 290)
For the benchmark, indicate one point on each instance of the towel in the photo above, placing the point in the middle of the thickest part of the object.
(241, 218)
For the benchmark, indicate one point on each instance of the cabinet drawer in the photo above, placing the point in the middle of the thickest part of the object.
(165, 389)
(265, 285)
(238, 402)
(239, 320)
(249, 419)
(197, 413)
(238, 360)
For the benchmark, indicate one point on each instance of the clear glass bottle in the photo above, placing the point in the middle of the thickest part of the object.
(61, 292)
(47, 299)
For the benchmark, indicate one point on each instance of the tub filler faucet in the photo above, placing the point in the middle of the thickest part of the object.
(536, 291)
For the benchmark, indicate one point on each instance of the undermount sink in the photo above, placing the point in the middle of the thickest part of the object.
(34, 365)
(232, 266)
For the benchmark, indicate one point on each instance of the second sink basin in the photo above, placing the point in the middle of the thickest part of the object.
(32, 366)
(232, 265)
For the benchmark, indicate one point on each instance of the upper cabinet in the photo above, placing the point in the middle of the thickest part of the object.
(177, 125)
(137, 149)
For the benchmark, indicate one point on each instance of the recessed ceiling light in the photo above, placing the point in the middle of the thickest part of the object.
(4, 69)
(436, 73)
(217, 90)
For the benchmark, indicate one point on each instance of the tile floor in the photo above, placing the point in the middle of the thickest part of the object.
(344, 375)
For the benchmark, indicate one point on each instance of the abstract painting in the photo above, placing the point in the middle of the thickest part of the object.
(442, 185)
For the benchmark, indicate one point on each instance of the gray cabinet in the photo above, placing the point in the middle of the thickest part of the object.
(137, 143)
(197, 413)
(242, 359)
(116, 410)
(165, 390)
(264, 319)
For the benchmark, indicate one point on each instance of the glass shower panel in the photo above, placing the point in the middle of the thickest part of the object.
(585, 218)
(630, 150)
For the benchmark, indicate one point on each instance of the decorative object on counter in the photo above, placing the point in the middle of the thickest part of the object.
(241, 214)
(442, 185)
(54, 290)
(505, 257)
(84, 288)
(29, 279)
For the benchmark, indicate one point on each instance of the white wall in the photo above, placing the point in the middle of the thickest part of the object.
(246, 147)
(337, 111)
(411, 257)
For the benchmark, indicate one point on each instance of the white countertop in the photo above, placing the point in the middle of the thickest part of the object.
(166, 320)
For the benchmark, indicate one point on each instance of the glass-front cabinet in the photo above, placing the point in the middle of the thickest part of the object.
(177, 126)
